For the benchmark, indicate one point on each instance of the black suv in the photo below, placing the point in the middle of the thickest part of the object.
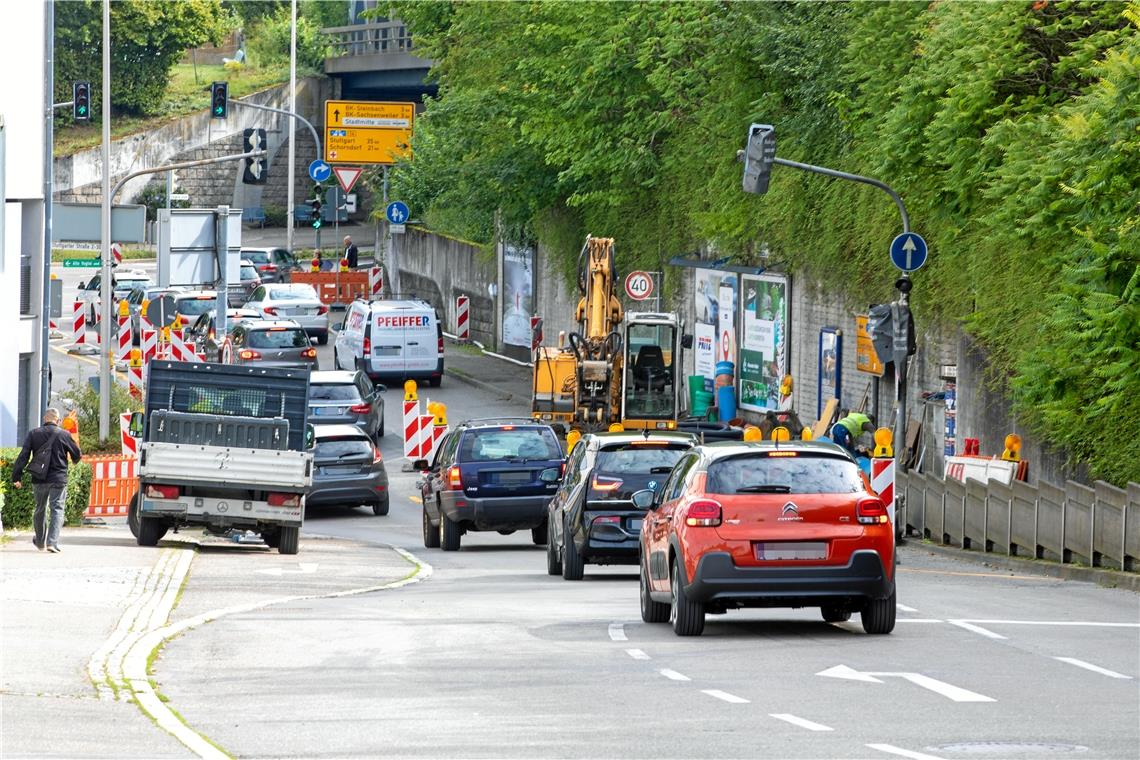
(490, 475)
(592, 518)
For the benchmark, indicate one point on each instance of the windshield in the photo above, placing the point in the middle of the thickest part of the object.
(650, 378)
(488, 444)
(284, 338)
(257, 257)
(195, 306)
(342, 448)
(296, 293)
(760, 473)
(639, 459)
(331, 392)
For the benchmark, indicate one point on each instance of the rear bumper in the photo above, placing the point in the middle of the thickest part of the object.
(717, 578)
(347, 490)
(388, 377)
(609, 544)
(505, 513)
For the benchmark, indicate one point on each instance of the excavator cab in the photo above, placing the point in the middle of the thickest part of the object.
(651, 371)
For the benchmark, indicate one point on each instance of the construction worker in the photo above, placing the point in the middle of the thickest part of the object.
(854, 432)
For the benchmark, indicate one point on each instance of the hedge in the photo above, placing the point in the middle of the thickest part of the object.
(19, 504)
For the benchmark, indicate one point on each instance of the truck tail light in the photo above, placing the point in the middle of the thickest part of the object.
(284, 499)
(454, 478)
(870, 511)
(247, 354)
(441, 344)
(703, 513)
(309, 353)
(367, 345)
(162, 492)
(323, 309)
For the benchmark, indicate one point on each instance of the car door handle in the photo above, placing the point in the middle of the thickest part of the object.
(412, 343)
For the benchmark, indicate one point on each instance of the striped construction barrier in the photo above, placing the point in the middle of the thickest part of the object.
(114, 481)
(375, 282)
(149, 344)
(78, 323)
(462, 317)
(411, 429)
(129, 443)
(427, 436)
(883, 482)
(123, 354)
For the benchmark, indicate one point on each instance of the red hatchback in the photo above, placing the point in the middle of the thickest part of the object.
(761, 524)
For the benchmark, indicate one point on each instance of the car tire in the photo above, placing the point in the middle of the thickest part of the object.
(449, 533)
(151, 531)
(381, 507)
(540, 534)
(651, 611)
(431, 533)
(687, 617)
(272, 538)
(133, 515)
(289, 540)
(573, 568)
(834, 614)
(323, 340)
(435, 382)
(878, 615)
(553, 559)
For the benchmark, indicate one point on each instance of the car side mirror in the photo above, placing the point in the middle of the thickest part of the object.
(82, 285)
(135, 428)
(687, 340)
(380, 388)
(550, 475)
(644, 499)
(420, 465)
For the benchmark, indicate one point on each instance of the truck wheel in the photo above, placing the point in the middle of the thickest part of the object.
(133, 515)
(435, 382)
(572, 565)
(381, 507)
(687, 617)
(272, 538)
(151, 531)
(289, 540)
(448, 534)
(538, 534)
(431, 535)
(553, 560)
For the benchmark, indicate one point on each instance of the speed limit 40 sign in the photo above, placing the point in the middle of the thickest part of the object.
(638, 285)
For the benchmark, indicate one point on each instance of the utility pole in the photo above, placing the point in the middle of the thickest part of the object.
(289, 215)
(49, 138)
(105, 290)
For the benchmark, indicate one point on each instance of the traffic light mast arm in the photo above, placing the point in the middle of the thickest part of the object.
(853, 178)
(298, 117)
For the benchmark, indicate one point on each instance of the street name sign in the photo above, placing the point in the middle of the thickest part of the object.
(368, 132)
(908, 251)
(80, 263)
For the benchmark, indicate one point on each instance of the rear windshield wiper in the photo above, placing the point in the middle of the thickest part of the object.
(769, 488)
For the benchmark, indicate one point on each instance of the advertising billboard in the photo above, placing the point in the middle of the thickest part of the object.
(716, 305)
(764, 341)
(518, 294)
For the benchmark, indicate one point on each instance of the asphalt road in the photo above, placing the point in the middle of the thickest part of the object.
(490, 657)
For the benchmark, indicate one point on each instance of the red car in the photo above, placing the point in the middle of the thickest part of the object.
(762, 524)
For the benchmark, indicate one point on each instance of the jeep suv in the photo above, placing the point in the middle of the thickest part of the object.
(490, 475)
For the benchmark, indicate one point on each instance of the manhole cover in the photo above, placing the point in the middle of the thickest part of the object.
(1009, 748)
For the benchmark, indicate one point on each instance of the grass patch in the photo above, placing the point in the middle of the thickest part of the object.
(129, 254)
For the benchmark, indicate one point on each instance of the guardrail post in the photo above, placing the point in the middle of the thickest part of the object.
(1125, 560)
(1010, 546)
(1094, 555)
(945, 536)
(1038, 550)
(965, 539)
(1066, 555)
(987, 545)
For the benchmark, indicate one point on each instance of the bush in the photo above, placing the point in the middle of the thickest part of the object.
(268, 42)
(86, 401)
(20, 504)
(275, 216)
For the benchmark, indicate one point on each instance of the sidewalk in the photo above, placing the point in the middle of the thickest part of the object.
(467, 364)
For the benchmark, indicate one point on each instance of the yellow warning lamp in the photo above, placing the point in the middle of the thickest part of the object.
(572, 438)
(142, 306)
(752, 433)
(786, 386)
(70, 423)
(316, 265)
(410, 391)
(54, 276)
(439, 409)
(136, 357)
(165, 334)
(1012, 451)
(177, 322)
(617, 427)
(884, 439)
(124, 308)
(344, 265)
(781, 434)
(806, 434)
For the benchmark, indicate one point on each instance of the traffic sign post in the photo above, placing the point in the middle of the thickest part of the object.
(638, 285)
(368, 132)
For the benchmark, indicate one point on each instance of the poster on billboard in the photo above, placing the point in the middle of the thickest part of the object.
(716, 306)
(518, 294)
(830, 367)
(764, 341)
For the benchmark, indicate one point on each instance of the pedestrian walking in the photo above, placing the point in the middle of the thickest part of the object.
(44, 455)
(350, 252)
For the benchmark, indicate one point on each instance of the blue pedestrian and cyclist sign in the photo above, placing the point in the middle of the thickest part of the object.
(397, 212)
(908, 251)
(319, 171)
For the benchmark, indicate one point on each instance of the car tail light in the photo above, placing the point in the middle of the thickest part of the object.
(454, 478)
(247, 354)
(376, 458)
(212, 334)
(284, 499)
(272, 310)
(267, 267)
(323, 309)
(441, 344)
(870, 511)
(360, 408)
(606, 520)
(309, 353)
(162, 492)
(367, 346)
(602, 483)
(704, 513)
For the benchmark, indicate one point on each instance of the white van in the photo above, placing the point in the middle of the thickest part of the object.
(391, 341)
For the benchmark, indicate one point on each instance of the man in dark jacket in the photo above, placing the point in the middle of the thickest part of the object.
(350, 252)
(51, 445)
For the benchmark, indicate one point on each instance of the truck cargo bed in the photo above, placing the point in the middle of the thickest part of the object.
(218, 466)
(218, 430)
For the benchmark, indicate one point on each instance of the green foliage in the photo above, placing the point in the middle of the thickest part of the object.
(275, 216)
(86, 404)
(19, 504)
(153, 196)
(148, 37)
(268, 41)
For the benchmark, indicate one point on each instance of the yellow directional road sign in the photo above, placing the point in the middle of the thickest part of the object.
(368, 132)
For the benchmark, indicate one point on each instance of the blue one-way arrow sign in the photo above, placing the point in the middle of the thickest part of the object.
(397, 212)
(908, 251)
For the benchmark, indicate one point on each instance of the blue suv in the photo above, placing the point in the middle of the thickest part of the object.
(490, 475)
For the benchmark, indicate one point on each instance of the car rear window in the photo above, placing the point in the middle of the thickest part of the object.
(783, 474)
(489, 444)
(342, 448)
(638, 458)
(257, 257)
(286, 338)
(297, 293)
(196, 306)
(248, 273)
(333, 392)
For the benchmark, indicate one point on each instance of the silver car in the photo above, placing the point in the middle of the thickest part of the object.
(347, 470)
(272, 343)
(296, 301)
(347, 398)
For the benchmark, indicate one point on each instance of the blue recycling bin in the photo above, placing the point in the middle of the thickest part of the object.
(726, 403)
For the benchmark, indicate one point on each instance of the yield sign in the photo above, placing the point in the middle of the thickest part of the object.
(347, 176)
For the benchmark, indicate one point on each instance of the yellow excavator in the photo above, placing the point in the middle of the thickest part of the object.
(617, 368)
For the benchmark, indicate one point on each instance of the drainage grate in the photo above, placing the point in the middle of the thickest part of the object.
(1009, 748)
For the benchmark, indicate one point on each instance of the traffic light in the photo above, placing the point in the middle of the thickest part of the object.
(891, 326)
(316, 204)
(219, 99)
(255, 168)
(81, 101)
(758, 158)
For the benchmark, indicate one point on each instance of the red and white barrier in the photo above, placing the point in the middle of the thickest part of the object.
(79, 323)
(375, 282)
(129, 443)
(135, 380)
(883, 483)
(149, 344)
(117, 252)
(123, 354)
(178, 351)
(462, 317)
(412, 429)
(427, 436)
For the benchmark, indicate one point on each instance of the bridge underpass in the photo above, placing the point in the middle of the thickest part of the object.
(376, 61)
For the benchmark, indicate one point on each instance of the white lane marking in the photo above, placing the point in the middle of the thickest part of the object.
(904, 608)
(950, 691)
(919, 620)
(801, 722)
(617, 632)
(725, 696)
(1053, 622)
(1093, 668)
(976, 629)
(891, 749)
(637, 654)
(673, 675)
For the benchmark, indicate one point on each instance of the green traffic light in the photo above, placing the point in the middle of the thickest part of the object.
(316, 224)
(82, 110)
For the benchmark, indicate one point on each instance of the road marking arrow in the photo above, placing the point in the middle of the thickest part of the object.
(950, 691)
(303, 568)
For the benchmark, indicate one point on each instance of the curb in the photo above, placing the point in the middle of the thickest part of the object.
(463, 377)
(1100, 576)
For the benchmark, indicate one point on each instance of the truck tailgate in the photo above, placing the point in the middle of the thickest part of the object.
(263, 469)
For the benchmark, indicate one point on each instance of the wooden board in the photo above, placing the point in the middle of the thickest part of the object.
(819, 429)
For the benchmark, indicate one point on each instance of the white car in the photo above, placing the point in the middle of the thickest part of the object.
(296, 301)
(122, 283)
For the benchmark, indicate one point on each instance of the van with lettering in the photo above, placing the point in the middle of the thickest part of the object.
(391, 341)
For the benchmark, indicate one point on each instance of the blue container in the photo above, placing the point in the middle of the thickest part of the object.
(725, 368)
(726, 403)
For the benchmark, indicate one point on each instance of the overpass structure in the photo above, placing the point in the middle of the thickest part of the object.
(377, 61)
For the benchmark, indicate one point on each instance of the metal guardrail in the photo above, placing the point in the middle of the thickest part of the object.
(369, 39)
(1098, 526)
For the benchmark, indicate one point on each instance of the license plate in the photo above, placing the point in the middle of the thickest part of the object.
(635, 526)
(328, 411)
(769, 550)
(514, 477)
(386, 351)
